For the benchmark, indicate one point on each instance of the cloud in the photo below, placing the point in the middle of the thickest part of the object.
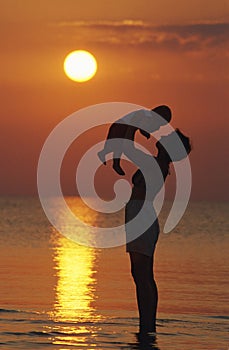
(191, 37)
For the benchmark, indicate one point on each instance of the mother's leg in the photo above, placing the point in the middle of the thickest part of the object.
(146, 290)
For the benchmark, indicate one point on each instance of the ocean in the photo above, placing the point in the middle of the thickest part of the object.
(56, 294)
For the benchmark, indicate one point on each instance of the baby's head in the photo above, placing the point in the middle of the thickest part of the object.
(161, 116)
(165, 112)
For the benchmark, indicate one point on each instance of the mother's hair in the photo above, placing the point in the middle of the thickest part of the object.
(176, 145)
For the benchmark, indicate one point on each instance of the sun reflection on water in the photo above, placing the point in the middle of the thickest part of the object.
(75, 283)
(73, 312)
(77, 321)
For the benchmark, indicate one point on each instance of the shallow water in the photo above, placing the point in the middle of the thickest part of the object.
(59, 295)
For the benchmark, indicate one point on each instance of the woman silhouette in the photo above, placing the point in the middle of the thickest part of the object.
(142, 231)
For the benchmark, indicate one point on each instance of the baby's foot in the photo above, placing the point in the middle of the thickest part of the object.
(101, 156)
(118, 169)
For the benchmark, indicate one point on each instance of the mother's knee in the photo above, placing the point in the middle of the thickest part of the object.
(139, 274)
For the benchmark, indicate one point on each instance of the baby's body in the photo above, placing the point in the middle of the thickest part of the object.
(144, 120)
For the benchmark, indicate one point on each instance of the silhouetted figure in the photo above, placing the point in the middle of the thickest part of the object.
(141, 249)
(123, 129)
(146, 342)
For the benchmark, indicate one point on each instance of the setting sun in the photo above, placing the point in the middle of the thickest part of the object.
(80, 65)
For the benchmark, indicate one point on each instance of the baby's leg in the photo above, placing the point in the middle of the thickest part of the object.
(116, 162)
(102, 157)
(115, 131)
(116, 148)
(109, 147)
(101, 154)
(125, 132)
(128, 134)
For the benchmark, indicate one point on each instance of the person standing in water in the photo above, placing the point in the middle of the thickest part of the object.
(141, 247)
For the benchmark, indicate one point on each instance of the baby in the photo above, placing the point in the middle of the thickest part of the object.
(143, 119)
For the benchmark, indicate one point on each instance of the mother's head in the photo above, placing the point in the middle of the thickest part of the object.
(174, 147)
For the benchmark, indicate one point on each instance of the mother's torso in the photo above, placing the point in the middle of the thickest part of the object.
(149, 181)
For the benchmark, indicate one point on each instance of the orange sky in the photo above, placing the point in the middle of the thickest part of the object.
(148, 53)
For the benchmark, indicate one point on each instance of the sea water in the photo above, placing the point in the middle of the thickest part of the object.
(56, 294)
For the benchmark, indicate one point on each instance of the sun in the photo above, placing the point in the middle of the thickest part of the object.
(80, 65)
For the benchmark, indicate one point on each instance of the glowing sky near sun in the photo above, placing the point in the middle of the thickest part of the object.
(149, 53)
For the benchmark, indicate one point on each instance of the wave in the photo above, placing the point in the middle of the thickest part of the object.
(17, 311)
(9, 311)
(43, 334)
(218, 317)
